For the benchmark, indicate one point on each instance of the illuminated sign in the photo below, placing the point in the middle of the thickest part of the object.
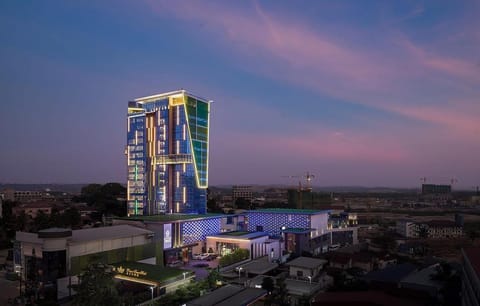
(167, 236)
(130, 272)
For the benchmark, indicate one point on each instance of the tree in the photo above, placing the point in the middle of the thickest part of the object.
(212, 278)
(241, 203)
(41, 221)
(21, 221)
(281, 292)
(72, 217)
(268, 284)
(212, 206)
(472, 234)
(96, 287)
(105, 198)
(386, 242)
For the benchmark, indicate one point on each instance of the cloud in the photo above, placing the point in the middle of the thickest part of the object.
(291, 51)
(435, 92)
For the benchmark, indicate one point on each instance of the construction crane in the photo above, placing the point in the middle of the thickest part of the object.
(307, 186)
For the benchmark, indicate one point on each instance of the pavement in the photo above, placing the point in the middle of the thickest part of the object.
(200, 272)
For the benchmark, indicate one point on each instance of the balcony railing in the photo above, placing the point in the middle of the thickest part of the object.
(173, 159)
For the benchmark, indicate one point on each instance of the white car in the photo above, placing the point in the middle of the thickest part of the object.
(200, 256)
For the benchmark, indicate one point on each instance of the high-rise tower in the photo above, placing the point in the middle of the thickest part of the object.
(167, 154)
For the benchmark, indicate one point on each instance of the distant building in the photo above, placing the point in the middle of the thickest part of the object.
(436, 189)
(242, 191)
(435, 229)
(406, 228)
(443, 229)
(471, 277)
(24, 196)
(34, 208)
(167, 154)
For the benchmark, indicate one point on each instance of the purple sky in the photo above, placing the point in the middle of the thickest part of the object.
(370, 93)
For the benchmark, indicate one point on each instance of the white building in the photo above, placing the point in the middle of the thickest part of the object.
(406, 228)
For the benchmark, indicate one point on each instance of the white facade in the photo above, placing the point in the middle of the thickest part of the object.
(406, 228)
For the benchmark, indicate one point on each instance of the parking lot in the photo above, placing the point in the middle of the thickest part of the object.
(201, 267)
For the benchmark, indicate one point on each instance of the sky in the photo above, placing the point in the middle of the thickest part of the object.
(363, 93)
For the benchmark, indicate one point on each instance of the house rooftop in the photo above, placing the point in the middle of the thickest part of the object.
(307, 262)
(229, 295)
(393, 274)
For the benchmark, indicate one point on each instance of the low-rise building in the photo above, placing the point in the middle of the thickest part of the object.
(257, 243)
(443, 229)
(57, 255)
(471, 277)
(32, 209)
(306, 267)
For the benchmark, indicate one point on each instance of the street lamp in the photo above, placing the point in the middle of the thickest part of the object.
(239, 270)
(310, 279)
(151, 288)
(184, 275)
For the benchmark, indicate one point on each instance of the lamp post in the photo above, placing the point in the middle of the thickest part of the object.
(151, 288)
(184, 275)
(239, 271)
(310, 279)
(20, 279)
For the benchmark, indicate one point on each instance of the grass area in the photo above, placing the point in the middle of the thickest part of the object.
(234, 233)
(171, 217)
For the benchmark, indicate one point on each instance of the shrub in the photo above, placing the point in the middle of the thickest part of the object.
(237, 256)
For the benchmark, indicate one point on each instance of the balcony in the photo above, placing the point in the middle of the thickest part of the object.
(170, 159)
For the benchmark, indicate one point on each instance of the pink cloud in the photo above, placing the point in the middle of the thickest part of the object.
(385, 77)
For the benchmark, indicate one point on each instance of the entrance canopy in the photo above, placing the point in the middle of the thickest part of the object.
(146, 274)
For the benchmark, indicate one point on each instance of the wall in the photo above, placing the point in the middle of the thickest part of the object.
(320, 224)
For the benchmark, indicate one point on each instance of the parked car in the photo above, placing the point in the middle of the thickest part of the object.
(211, 257)
(175, 263)
(202, 256)
(197, 256)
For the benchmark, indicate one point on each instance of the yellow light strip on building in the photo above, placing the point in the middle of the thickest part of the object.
(178, 179)
(136, 280)
(184, 194)
(178, 115)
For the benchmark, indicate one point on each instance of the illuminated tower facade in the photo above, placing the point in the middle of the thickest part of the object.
(167, 154)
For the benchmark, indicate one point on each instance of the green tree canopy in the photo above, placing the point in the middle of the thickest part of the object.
(96, 287)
